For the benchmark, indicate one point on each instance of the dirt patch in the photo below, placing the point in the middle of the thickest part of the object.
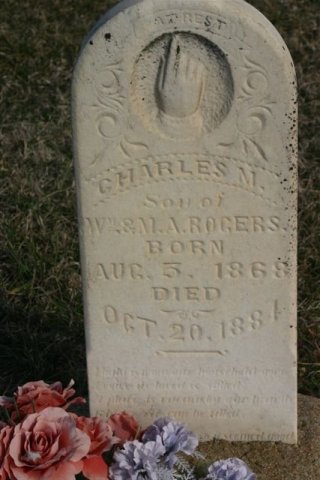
(277, 461)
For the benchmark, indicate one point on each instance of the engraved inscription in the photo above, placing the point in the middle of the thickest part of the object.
(255, 270)
(223, 383)
(130, 322)
(198, 20)
(188, 294)
(211, 330)
(119, 271)
(182, 225)
(192, 247)
(235, 173)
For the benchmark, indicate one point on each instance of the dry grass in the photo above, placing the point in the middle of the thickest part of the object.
(41, 328)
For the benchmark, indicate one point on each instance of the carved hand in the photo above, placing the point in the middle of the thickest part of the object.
(180, 83)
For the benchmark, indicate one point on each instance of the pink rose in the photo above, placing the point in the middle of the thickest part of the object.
(99, 432)
(36, 396)
(6, 433)
(46, 446)
(124, 426)
(102, 440)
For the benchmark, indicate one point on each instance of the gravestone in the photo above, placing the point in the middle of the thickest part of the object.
(185, 142)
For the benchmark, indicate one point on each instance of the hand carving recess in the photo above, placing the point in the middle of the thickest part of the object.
(180, 82)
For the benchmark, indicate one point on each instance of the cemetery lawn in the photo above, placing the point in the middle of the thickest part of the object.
(41, 317)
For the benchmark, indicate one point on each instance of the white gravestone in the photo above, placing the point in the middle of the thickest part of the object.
(185, 143)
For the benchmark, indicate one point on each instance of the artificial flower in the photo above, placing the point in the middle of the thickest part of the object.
(102, 440)
(124, 426)
(46, 446)
(174, 437)
(230, 469)
(33, 397)
(6, 434)
(6, 402)
(137, 460)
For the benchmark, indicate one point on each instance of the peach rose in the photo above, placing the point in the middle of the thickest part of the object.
(102, 440)
(46, 446)
(36, 396)
(6, 433)
(124, 426)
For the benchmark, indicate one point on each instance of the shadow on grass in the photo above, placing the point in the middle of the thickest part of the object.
(36, 348)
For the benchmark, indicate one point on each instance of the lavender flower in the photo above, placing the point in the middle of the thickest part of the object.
(137, 461)
(230, 469)
(174, 437)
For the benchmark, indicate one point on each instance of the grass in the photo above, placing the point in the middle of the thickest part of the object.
(41, 318)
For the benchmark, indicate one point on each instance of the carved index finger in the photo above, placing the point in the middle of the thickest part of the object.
(161, 73)
(172, 63)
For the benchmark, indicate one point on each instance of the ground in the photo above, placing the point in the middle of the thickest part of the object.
(277, 461)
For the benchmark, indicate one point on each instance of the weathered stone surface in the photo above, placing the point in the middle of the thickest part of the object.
(276, 461)
(185, 143)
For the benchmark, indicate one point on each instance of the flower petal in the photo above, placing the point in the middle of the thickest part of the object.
(95, 468)
(65, 471)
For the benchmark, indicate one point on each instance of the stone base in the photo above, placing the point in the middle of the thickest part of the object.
(278, 461)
